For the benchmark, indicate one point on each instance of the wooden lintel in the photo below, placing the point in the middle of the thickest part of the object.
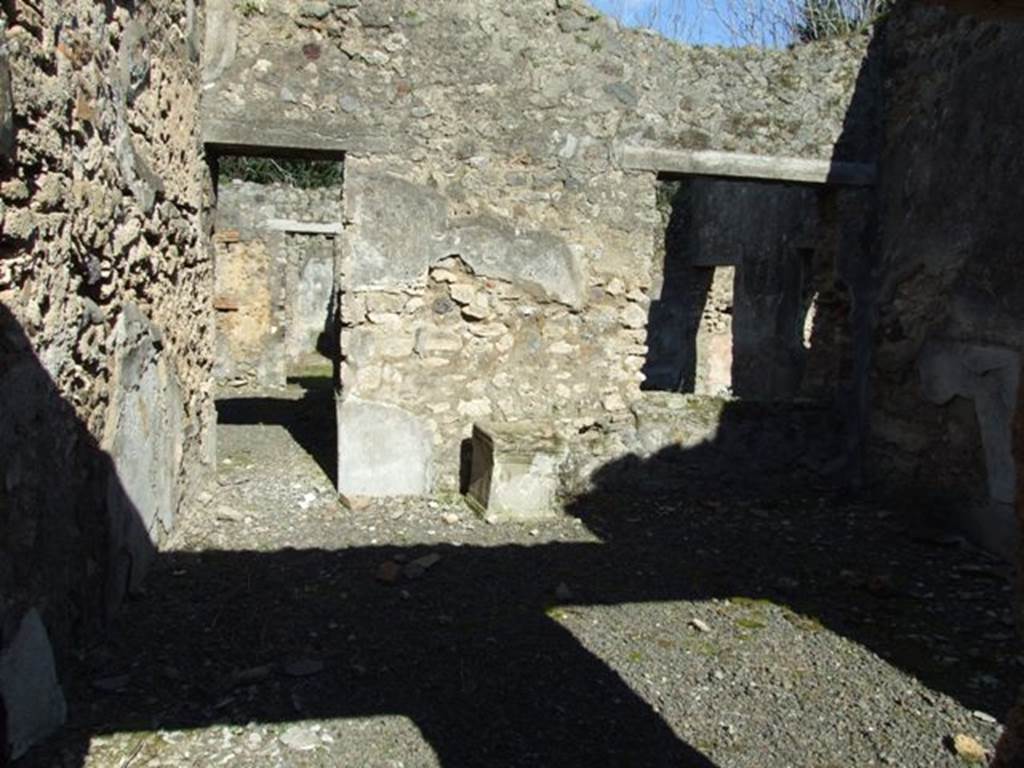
(292, 139)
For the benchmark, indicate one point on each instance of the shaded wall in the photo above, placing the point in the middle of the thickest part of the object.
(748, 296)
(950, 312)
(947, 381)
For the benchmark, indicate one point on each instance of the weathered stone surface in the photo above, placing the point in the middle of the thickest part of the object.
(32, 697)
(514, 471)
(304, 227)
(133, 60)
(107, 210)
(249, 295)
(634, 316)
(429, 341)
(494, 248)
(512, 336)
(747, 166)
(382, 451)
(317, 9)
(397, 229)
(221, 44)
(400, 228)
(377, 38)
(463, 294)
(138, 175)
(310, 321)
(989, 378)
(288, 135)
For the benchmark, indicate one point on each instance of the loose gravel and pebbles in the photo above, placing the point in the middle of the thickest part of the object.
(698, 629)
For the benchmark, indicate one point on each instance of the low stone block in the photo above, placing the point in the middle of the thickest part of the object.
(32, 698)
(514, 471)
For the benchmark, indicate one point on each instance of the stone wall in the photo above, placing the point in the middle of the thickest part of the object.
(950, 320)
(105, 331)
(498, 260)
(275, 264)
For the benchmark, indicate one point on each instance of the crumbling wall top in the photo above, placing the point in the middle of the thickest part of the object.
(550, 82)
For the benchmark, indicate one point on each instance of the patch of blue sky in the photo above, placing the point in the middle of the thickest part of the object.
(690, 21)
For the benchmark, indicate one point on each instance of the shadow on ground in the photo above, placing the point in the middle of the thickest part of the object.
(310, 419)
(472, 653)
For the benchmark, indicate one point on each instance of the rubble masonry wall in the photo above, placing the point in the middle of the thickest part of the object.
(105, 400)
(498, 260)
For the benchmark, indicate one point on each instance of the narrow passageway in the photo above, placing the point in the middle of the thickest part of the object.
(304, 410)
(705, 630)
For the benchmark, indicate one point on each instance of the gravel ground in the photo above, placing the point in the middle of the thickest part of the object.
(683, 629)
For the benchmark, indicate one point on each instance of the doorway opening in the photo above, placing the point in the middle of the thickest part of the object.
(748, 301)
(277, 297)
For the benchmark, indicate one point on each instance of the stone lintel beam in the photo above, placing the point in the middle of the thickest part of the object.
(305, 227)
(226, 136)
(745, 166)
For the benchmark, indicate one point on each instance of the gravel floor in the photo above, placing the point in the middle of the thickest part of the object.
(694, 629)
